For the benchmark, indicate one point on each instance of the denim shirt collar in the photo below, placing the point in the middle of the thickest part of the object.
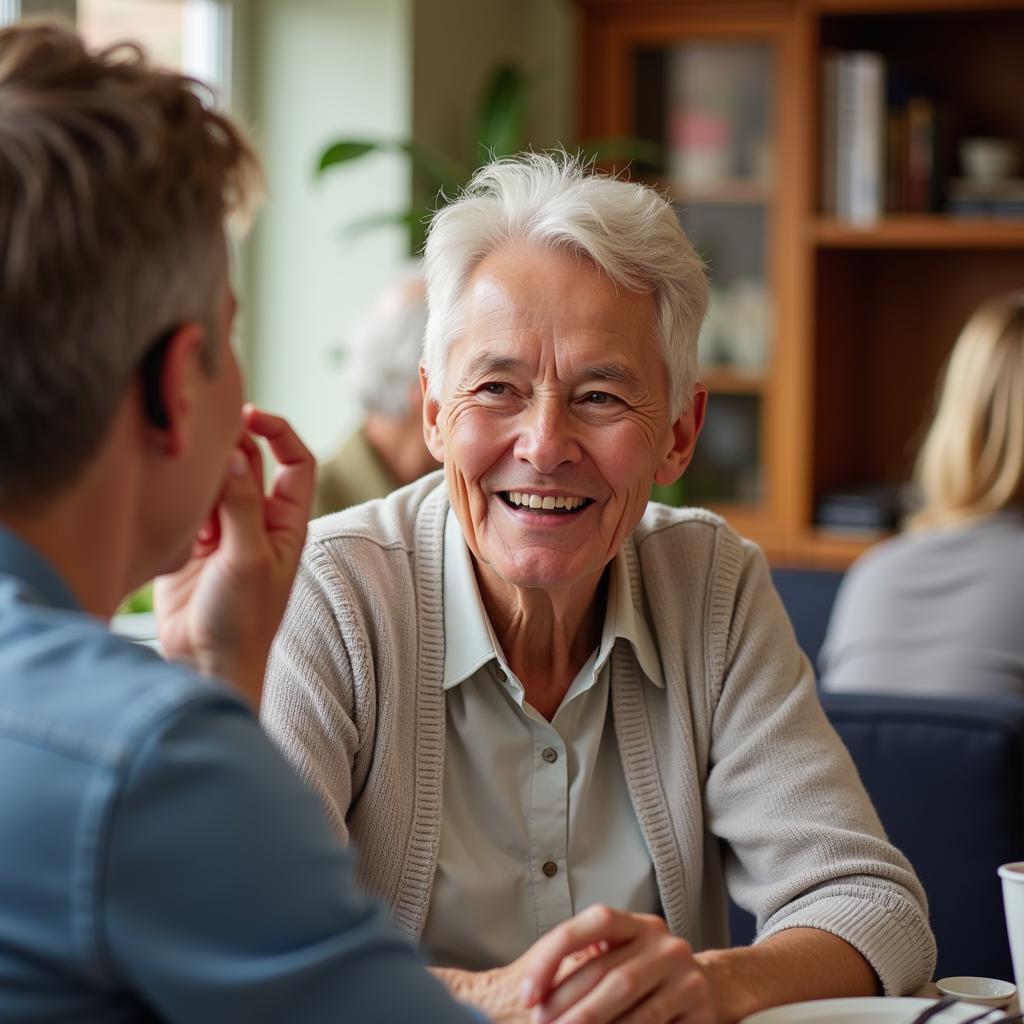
(20, 560)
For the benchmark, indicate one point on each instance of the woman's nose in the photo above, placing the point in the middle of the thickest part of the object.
(547, 438)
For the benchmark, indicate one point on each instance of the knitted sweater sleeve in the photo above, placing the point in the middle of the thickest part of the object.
(806, 847)
(310, 708)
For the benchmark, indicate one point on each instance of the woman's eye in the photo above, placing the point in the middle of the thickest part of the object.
(598, 398)
(494, 388)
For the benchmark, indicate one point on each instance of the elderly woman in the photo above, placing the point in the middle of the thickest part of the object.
(936, 612)
(523, 691)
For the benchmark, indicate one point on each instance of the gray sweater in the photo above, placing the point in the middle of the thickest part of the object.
(933, 614)
(735, 775)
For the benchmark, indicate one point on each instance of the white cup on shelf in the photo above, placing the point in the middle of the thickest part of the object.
(1012, 876)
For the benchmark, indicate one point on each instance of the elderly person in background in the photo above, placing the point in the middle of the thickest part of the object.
(387, 450)
(554, 718)
(936, 612)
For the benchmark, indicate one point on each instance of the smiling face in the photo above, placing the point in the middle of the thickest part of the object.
(553, 420)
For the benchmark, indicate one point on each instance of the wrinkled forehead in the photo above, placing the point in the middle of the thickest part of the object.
(553, 292)
(529, 316)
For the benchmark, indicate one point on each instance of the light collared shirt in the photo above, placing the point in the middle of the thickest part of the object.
(537, 822)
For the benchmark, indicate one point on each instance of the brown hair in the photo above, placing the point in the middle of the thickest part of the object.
(115, 180)
(972, 460)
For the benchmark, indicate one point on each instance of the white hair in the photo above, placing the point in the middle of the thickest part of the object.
(628, 230)
(385, 343)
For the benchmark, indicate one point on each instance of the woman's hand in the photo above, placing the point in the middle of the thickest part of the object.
(636, 971)
(499, 992)
(222, 609)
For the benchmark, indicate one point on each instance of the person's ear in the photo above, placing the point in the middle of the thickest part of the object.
(432, 434)
(685, 432)
(169, 381)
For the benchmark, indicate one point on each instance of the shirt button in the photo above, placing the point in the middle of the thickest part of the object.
(549, 754)
(550, 868)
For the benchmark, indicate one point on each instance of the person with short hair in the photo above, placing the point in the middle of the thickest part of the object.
(387, 450)
(936, 611)
(552, 715)
(158, 858)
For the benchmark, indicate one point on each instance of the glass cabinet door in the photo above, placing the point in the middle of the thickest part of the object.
(710, 103)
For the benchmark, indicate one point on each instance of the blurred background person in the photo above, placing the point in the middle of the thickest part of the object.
(387, 451)
(937, 611)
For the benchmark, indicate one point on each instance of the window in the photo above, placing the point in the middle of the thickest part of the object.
(191, 35)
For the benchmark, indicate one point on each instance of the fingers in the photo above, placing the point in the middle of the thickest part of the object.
(653, 984)
(252, 452)
(240, 511)
(208, 537)
(577, 984)
(291, 495)
(593, 925)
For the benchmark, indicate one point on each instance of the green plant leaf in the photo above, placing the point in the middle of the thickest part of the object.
(499, 123)
(140, 600)
(344, 150)
(442, 170)
(405, 219)
(624, 147)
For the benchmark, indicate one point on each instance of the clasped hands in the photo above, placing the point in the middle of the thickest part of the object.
(599, 967)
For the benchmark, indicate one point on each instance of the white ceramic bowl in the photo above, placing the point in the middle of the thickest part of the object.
(983, 991)
(985, 159)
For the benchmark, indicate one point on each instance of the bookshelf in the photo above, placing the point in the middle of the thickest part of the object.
(832, 390)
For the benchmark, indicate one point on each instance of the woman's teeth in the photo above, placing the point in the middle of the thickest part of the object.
(547, 502)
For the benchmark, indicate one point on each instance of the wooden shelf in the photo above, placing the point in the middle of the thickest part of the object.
(852, 7)
(732, 380)
(855, 311)
(831, 549)
(918, 232)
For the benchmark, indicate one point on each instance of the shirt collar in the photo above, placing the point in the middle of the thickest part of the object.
(469, 640)
(23, 562)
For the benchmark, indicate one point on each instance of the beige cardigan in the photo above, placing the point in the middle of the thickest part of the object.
(733, 770)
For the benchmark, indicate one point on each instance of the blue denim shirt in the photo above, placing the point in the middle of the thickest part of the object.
(158, 859)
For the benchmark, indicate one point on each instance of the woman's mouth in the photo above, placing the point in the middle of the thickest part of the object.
(545, 504)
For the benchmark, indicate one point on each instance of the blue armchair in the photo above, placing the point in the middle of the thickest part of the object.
(947, 779)
(808, 595)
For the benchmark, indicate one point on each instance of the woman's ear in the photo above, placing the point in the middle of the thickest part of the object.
(432, 434)
(685, 432)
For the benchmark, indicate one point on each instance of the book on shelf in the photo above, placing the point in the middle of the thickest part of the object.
(998, 197)
(869, 509)
(853, 134)
(880, 142)
(922, 156)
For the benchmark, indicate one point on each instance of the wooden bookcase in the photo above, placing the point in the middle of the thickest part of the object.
(862, 318)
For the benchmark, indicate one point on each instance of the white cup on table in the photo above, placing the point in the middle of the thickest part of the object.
(1012, 876)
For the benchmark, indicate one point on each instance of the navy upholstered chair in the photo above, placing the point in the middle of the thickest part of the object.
(808, 595)
(947, 779)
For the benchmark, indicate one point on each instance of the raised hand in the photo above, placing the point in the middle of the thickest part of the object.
(222, 609)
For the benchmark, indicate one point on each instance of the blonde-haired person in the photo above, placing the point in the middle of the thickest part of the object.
(937, 611)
